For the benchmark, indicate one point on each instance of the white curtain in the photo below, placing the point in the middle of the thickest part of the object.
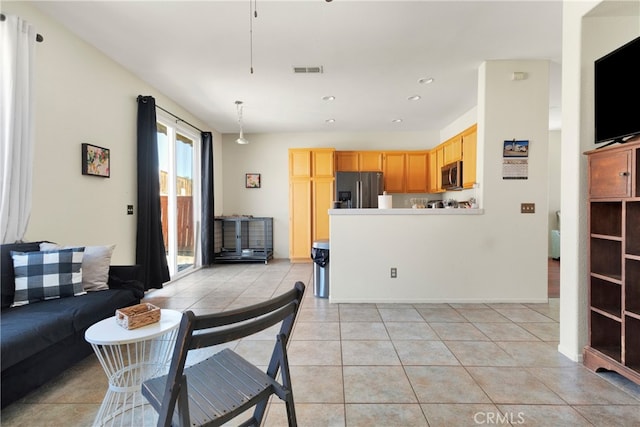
(17, 46)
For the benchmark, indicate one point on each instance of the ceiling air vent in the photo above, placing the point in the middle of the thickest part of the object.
(307, 70)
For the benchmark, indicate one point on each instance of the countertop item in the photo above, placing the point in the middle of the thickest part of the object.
(385, 201)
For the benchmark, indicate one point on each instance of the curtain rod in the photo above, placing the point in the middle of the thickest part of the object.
(179, 118)
(39, 37)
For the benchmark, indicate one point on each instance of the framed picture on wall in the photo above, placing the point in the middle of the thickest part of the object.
(252, 180)
(96, 161)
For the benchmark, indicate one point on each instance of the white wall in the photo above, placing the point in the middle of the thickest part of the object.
(509, 110)
(83, 96)
(446, 255)
(554, 193)
(590, 30)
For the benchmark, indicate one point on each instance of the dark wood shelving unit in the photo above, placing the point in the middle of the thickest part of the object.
(614, 260)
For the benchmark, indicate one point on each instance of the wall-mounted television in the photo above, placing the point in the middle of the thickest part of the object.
(617, 94)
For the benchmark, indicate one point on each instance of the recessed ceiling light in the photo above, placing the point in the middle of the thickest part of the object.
(328, 98)
(330, 120)
(397, 120)
(414, 98)
(425, 80)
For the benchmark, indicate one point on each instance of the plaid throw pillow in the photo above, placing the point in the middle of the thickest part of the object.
(47, 275)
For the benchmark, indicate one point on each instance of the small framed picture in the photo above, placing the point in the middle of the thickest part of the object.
(252, 180)
(515, 148)
(96, 161)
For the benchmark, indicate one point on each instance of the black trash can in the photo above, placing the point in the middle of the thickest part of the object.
(320, 257)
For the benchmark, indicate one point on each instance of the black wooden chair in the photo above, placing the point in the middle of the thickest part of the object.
(216, 390)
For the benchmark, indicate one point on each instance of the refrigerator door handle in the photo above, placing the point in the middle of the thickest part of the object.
(358, 194)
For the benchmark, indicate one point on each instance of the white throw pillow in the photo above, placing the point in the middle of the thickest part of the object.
(95, 264)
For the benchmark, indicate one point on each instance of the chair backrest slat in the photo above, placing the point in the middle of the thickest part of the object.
(248, 327)
(238, 315)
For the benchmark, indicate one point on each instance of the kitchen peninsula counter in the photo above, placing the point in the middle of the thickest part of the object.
(440, 255)
(407, 211)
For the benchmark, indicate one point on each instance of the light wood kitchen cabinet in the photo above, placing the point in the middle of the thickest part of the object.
(417, 180)
(346, 161)
(322, 193)
(370, 161)
(453, 149)
(311, 188)
(406, 171)
(462, 147)
(436, 158)
(358, 161)
(322, 162)
(469, 156)
(299, 219)
(394, 171)
(614, 260)
(299, 163)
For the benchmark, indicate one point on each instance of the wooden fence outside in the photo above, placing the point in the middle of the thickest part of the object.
(185, 224)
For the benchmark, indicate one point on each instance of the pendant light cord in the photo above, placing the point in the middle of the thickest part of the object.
(253, 13)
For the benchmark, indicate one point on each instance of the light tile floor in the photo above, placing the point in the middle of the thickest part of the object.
(381, 364)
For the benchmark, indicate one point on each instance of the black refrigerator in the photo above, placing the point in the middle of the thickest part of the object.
(359, 189)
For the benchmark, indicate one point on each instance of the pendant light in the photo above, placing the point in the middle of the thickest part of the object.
(241, 139)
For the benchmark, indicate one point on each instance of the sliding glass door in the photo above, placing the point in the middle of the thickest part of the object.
(178, 155)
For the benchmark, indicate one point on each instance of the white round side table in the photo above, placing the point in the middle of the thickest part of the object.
(130, 357)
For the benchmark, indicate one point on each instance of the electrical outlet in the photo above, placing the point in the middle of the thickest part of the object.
(394, 272)
(129, 209)
(527, 208)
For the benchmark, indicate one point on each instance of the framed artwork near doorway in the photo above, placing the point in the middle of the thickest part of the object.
(252, 180)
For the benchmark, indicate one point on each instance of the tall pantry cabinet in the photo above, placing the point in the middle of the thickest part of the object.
(311, 192)
(614, 260)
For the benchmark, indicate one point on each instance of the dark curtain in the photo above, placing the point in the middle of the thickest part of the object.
(207, 199)
(150, 250)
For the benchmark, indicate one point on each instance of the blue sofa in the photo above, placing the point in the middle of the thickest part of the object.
(42, 339)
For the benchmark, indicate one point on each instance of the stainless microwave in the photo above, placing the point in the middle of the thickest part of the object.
(452, 176)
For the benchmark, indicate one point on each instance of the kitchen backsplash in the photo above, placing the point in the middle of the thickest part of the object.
(403, 200)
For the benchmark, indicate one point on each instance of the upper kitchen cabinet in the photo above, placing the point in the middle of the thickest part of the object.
(417, 163)
(299, 163)
(346, 161)
(462, 147)
(394, 169)
(358, 161)
(469, 156)
(406, 171)
(322, 162)
(453, 149)
(370, 161)
(305, 163)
